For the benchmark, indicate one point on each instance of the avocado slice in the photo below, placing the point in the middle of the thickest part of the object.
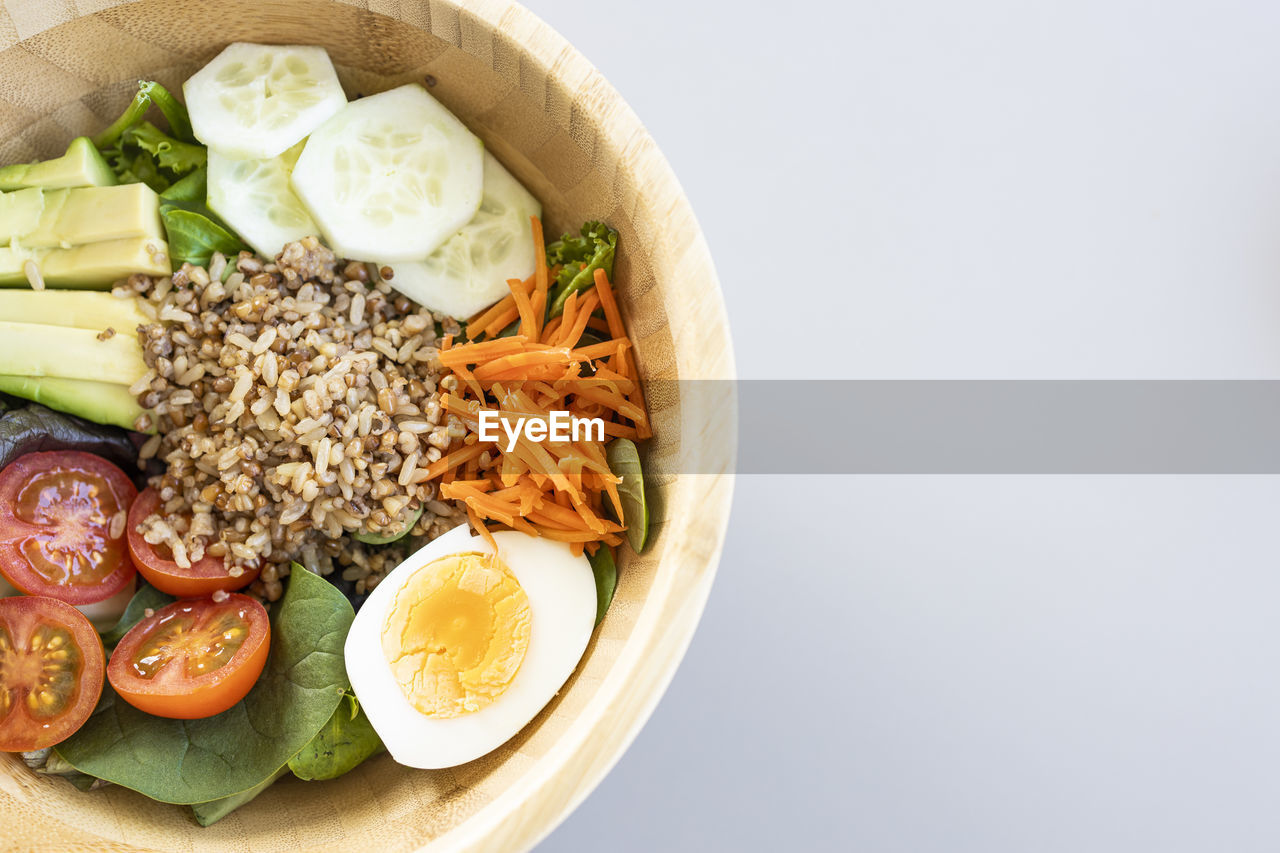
(93, 266)
(82, 166)
(100, 402)
(80, 309)
(38, 218)
(32, 349)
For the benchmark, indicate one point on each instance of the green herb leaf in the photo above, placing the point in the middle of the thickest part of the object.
(624, 461)
(194, 237)
(147, 597)
(602, 566)
(581, 257)
(149, 92)
(207, 814)
(197, 761)
(180, 158)
(344, 742)
(171, 108)
(134, 166)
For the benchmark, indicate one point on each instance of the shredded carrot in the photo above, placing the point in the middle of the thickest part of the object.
(558, 489)
(612, 317)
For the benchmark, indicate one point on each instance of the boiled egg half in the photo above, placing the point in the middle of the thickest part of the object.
(458, 648)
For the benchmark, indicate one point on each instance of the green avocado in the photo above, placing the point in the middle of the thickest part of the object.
(82, 166)
(79, 309)
(93, 266)
(100, 402)
(37, 218)
(33, 349)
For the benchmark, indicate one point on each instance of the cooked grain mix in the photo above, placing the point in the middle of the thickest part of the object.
(295, 402)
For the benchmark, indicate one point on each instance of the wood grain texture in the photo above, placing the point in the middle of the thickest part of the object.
(68, 68)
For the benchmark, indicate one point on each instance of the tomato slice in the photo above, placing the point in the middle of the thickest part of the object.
(51, 665)
(58, 511)
(205, 576)
(193, 659)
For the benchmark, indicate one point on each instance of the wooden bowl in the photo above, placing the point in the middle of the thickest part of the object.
(563, 130)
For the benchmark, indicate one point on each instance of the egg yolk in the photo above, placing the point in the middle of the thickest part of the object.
(456, 633)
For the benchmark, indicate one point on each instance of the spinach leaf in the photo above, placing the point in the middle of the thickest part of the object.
(197, 761)
(194, 237)
(624, 461)
(602, 566)
(137, 167)
(345, 741)
(207, 814)
(147, 597)
(30, 428)
(581, 257)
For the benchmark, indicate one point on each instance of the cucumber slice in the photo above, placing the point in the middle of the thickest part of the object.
(391, 176)
(254, 197)
(470, 271)
(256, 101)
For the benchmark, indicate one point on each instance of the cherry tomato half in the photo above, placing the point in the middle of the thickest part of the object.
(58, 511)
(193, 659)
(51, 666)
(205, 576)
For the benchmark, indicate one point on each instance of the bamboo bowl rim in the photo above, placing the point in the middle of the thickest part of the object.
(592, 113)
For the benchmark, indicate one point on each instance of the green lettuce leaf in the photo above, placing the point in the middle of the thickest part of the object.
(179, 158)
(197, 761)
(581, 256)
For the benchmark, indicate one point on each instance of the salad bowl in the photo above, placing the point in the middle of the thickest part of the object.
(560, 128)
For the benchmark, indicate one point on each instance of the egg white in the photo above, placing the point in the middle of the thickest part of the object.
(562, 606)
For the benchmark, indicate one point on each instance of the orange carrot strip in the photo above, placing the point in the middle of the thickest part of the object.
(477, 324)
(601, 350)
(534, 358)
(567, 316)
(506, 318)
(455, 458)
(618, 430)
(575, 535)
(478, 526)
(540, 283)
(524, 308)
(610, 305)
(571, 337)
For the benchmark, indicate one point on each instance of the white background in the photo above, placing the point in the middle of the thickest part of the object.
(970, 190)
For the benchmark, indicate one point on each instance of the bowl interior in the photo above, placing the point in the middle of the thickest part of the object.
(559, 128)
